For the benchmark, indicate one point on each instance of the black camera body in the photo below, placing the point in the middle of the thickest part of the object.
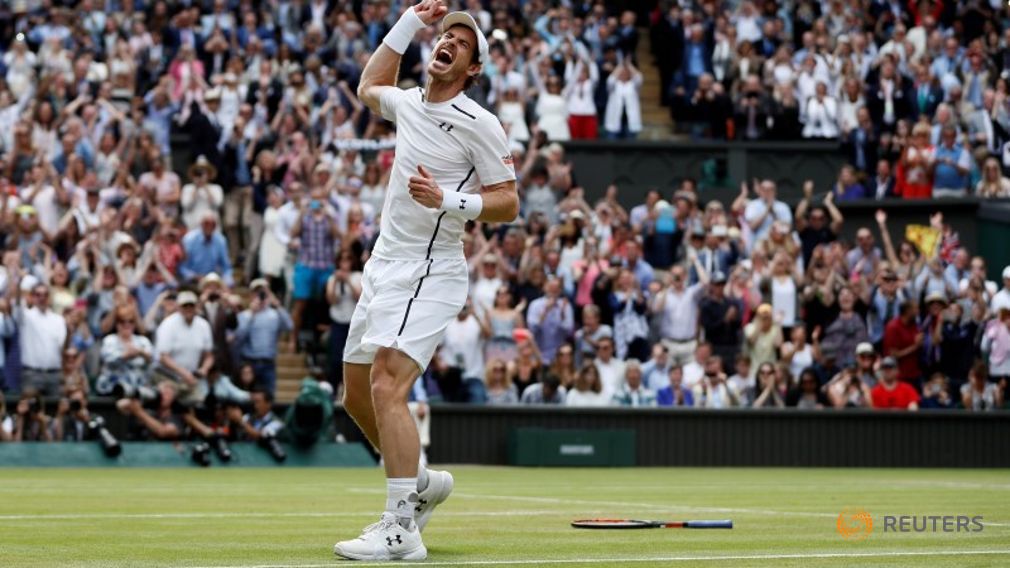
(269, 443)
(97, 430)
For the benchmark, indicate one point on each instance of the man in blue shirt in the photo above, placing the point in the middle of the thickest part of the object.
(551, 319)
(206, 251)
(950, 178)
(259, 331)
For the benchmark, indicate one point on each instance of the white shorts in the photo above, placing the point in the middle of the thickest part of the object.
(406, 305)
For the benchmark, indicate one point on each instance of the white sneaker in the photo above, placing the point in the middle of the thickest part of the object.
(384, 540)
(439, 487)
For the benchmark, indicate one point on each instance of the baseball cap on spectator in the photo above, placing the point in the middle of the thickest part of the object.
(780, 227)
(889, 363)
(25, 210)
(1006, 273)
(490, 258)
(864, 348)
(576, 215)
(764, 310)
(685, 195)
(936, 297)
(259, 283)
(212, 95)
(210, 278)
(718, 277)
(186, 298)
(465, 19)
(661, 205)
(718, 231)
(29, 281)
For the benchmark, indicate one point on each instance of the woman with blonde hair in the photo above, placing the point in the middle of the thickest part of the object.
(993, 185)
(498, 388)
(126, 355)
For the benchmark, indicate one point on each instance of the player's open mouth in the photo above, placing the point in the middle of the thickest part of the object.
(444, 56)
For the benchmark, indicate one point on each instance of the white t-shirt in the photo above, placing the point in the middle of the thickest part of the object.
(463, 147)
(611, 375)
(463, 345)
(693, 372)
(42, 338)
(185, 344)
(587, 398)
(343, 308)
(784, 300)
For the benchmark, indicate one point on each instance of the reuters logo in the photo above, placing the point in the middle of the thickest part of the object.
(854, 524)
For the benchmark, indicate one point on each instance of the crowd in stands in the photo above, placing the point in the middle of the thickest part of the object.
(917, 90)
(174, 290)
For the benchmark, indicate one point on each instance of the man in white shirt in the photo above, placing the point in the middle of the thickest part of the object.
(694, 371)
(43, 336)
(487, 284)
(677, 305)
(184, 348)
(452, 165)
(463, 345)
(611, 368)
(762, 212)
(1002, 298)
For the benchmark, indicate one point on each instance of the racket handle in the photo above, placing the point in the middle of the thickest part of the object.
(708, 524)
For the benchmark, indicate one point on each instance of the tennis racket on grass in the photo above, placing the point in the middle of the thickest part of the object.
(636, 524)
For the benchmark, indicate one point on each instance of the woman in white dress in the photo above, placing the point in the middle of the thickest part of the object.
(272, 251)
(373, 187)
(552, 111)
(512, 114)
(799, 353)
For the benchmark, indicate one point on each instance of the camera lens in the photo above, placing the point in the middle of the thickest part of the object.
(201, 454)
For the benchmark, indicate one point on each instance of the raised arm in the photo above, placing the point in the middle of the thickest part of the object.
(885, 236)
(380, 71)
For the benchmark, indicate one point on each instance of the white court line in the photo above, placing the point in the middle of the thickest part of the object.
(633, 560)
(229, 515)
(625, 505)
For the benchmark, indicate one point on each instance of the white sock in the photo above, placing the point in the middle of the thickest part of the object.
(422, 478)
(401, 498)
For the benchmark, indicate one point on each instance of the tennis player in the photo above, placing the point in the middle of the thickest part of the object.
(452, 165)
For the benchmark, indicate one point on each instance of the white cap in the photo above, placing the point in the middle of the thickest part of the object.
(465, 19)
(1006, 273)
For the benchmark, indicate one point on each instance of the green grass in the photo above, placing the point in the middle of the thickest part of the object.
(292, 517)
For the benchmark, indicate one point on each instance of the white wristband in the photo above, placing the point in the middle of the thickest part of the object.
(465, 205)
(399, 38)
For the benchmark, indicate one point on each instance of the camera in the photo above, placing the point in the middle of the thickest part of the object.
(262, 295)
(150, 397)
(201, 454)
(213, 297)
(221, 447)
(97, 430)
(269, 443)
(75, 406)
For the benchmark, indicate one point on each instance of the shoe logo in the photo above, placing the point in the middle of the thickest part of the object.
(389, 540)
(420, 505)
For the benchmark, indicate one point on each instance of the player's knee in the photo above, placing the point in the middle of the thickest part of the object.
(384, 388)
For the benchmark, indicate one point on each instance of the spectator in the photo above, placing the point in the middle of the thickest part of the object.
(498, 389)
(42, 337)
(655, 371)
(917, 163)
(950, 174)
(677, 305)
(206, 252)
(260, 422)
(463, 347)
(743, 381)
(587, 390)
(201, 198)
(903, 341)
(185, 350)
(843, 335)
(675, 394)
(313, 234)
(126, 356)
(762, 212)
(343, 289)
(623, 115)
(768, 392)
(712, 391)
(993, 185)
(807, 394)
(891, 393)
(849, 389)
(610, 368)
(763, 337)
(31, 423)
(631, 329)
(978, 394)
(547, 391)
(258, 334)
(721, 318)
(551, 319)
(552, 111)
(162, 423)
(587, 338)
(936, 393)
(631, 392)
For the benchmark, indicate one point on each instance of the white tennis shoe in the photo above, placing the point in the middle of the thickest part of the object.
(384, 540)
(440, 485)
